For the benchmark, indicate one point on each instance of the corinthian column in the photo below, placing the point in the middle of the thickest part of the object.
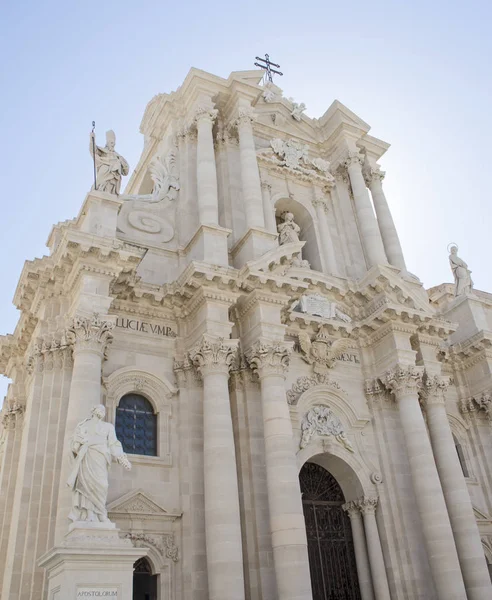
(405, 383)
(360, 548)
(250, 175)
(463, 523)
(368, 225)
(206, 172)
(321, 207)
(391, 241)
(90, 338)
(367, 507)
(289, 542)
(213, 357)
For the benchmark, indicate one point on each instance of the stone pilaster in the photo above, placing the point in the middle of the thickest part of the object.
(213, 358)
(360, 548)
(374, 178)
(321, 206)
(208, 203)
(250, 175)
(90, 337)
(268, 209)
(405, 382)
(463, 523)
(270, 360)
(368, 225)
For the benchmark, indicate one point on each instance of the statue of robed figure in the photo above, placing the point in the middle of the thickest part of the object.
(94, 446)
(462, 274)
(110, 165)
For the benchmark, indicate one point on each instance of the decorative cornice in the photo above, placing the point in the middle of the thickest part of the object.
(213, 355)
(94, 334)
(269, 358)
(403, 380)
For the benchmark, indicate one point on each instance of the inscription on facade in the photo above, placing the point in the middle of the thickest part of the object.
(93, 592)
(145, 327)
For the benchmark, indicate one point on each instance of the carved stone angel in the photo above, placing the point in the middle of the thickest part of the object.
(321, 352)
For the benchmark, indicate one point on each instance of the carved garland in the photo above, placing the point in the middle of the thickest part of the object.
(164, 544)
(304, 383)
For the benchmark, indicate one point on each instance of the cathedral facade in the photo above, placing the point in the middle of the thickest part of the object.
(304, 420)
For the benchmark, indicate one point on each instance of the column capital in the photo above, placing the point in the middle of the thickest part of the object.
(352, 509)
(434, 388)
(12, 413)
(244, 116)
(90, 333)
(372, 175)
(269, 358)
(205, 113)
(367, 505)
(213, 355)
(352, 158)
(403, 380)
(320, 202)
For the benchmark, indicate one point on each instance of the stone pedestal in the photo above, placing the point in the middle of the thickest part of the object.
(91, 562)
(209, 244)
(253, 245)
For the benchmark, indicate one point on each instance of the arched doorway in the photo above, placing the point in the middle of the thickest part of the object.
(144, 583)
(329, 535)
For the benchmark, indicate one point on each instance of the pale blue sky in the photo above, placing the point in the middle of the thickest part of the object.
(418, 72)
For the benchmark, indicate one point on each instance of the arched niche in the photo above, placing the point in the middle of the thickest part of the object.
(306, 221)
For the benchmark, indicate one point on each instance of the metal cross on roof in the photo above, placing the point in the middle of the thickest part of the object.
(268, 67)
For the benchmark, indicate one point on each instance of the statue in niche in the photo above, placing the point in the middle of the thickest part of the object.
(110, 165)
(289, 230)
(462, 275)
(93, 446)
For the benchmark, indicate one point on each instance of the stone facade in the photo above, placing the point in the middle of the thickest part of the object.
(257, 357)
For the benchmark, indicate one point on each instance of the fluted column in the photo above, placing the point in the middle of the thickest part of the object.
(213, 357)
(360, 548)
(391, 241)
(206, 171)
(405, 383)
(367, 506)
(321, 207)
(368, 225)
(90, 338)
(268, 209)
(250, 175)
(463, 523)
(271, 360)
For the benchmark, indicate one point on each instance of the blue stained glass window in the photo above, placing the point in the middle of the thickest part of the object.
(136, 425)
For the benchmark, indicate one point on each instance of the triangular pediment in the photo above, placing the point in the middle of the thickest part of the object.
(339, 113)
(139, 503)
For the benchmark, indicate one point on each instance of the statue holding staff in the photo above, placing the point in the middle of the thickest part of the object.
(93, 446)
(110, 165)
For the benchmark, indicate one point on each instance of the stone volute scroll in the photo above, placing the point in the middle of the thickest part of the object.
(93, 447)
(462, 275)
(322, 421)
(110, 165)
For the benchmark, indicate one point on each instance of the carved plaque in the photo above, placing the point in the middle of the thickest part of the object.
(97, 593)
(315, 304)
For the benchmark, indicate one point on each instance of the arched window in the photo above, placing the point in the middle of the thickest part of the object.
(461, 457)
(136, 425)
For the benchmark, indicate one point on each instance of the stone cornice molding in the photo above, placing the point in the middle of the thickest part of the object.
(52, 351)
(268, 358)
(403, 380)
(433, 389)
(91, 334)
(213, 355)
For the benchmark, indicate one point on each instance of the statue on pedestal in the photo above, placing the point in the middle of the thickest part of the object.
(462, 275)
(94, 445)
(110, 165)
(289, 230)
